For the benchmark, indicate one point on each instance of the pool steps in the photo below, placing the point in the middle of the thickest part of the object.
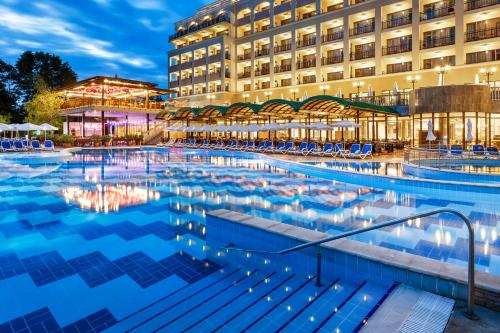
(241, 300)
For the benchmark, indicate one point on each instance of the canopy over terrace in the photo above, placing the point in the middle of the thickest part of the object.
(109, 105)
(317, 108)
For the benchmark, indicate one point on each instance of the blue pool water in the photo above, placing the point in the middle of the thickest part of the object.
(108, 232)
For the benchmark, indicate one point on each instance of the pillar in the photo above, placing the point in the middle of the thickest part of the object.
(147, 122)
(373, 126)
(83, 124)
(102, 123)
(126, 125)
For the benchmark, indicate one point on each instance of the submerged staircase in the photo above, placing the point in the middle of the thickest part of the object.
(238, 300)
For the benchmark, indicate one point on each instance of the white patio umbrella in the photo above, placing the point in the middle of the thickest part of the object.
(235, 128)
(319, 126)
(220, 128)
(296, 125)
(370, 90)
(346, 124)
(469, 137)
(339, 93)
(269, 127)
(430, 134)
(395, 88)
(48, 127)
(252, 128)
(476, 79)
(27, 127)
(5, 128)
(257, 100)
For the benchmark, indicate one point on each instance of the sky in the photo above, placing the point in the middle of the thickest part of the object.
(128, 38)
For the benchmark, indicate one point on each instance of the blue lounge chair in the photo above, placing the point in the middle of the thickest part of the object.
(288, 147)
(337, 150)
(261, 147)
(456, 150)
(7, 146)
(35, 144)
(355, 149)
(310, 149)
(229, 145)
(269, 146)
(301, 149)
(243, 145)
(478, 150)
(250, 146)
(366, 151)
(18, 145)
(327, 150)
(48, 145)
(280, 147)
(492, 151)
(235, 145)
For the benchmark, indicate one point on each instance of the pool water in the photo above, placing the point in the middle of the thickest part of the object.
(392, 169)
(105, 233)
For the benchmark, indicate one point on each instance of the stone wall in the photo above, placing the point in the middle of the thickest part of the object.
(452, 98)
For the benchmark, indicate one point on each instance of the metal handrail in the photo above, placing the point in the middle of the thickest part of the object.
(470, 278)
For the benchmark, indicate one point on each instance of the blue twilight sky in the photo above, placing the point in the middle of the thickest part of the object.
(128, 38)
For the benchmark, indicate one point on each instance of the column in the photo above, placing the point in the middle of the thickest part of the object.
(346, 49)
(459, 32)
(83, 124)
(415, 35)
(126, 125)
(102, 123)
(319, 77)
(378, 40)
(147, 122)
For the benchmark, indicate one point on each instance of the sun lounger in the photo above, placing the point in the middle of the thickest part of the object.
(456, 150)
(302, 147)
(492, 152)
(353, 151)
(280, 147)
(18, 145)
(35, 144)
(478, 150)
(48, 145)
(366, 151)
(269, 146)
(261, 147)
(243, 145)
(310, 149)
(290, 146)
(327, 150)
(250, 146)
(7, 146)
(337, 150)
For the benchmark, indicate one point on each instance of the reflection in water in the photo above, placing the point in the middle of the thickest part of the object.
(107, 198)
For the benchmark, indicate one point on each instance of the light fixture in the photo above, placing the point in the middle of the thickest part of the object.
(413, 79)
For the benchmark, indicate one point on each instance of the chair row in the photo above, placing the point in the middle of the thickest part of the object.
(25, 145)
(304, 148)
(477, 150)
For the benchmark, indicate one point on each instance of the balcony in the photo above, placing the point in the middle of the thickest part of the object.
(197, 27)
(333, 8)
(309, 79)
(262, 52)
(200, 62)
(435, 13)
(282, 68)
(333, 76)
(397, 22)
(476, 4)
(284, 7)
(186, 81)
(399, 67)
(200, 79)
(283, 47)
(362, 29)
(306, 64)
(244, 75)
(395, 49)
(338, 35)
(187, 64)
(429, 43)
(360, 55)
(173, 84)
(301, 3)
(217, 57)
(245, 56)
(174, 68)
(243, 21)
(261, 15)
(214, 76)
(262, 71)
(471, 36)
(306, 42)
(361, 72)
(332, 60)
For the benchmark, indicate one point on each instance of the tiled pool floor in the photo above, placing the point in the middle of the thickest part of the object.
(93, 240)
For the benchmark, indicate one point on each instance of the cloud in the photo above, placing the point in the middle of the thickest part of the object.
(147, 4)
(28, 43)
(67, 36)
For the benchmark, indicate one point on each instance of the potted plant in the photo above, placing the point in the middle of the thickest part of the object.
(106, 140)
(67, 141)
(96, 139)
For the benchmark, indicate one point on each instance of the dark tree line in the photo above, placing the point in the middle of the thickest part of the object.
(18, 82)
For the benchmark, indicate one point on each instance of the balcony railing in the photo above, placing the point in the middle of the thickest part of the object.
(200, 62)
(244, 75)
(245, 56)
(332, 8)
(262, 71)
(437, 42)
(482, 34)
(395, 49)
(435, 13)
(309, 79)
(200, 79)
(397, 21)
(385, 100)
(214, 76)
(205, 24)
(262, 52)
(186, 65)
(333, 76)
(174, 68)
(283, 48)
(476, 4)
(282, 8)
(173, 84)
(363, 54)
(185, 82)
(362, 29)
(306, 64)
(306, 42)
(115, 103)
(361, 72)
(282, 68)
(332, 60)
(338, 35)
(217, 57)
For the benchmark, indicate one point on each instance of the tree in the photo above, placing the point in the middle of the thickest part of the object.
(31, 66)
(45, 106)
(7, 95)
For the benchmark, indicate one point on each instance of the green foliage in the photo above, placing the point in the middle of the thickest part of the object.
(64, 138)
(45, 106)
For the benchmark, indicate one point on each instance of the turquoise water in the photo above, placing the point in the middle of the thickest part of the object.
(115, 229)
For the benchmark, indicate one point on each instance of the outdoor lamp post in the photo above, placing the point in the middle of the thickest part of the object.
(210, 98)
(324, 87)
(488, 72)
(358, 85)
(268, 94)
(245, 96)
(294, 91)
(413, 79)
(441, 72)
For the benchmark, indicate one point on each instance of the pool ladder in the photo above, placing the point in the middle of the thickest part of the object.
(317, 244)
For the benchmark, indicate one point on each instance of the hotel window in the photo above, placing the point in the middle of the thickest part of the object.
(440, 37)
(482, 30)
(397, 19)
(437, 9)
(441, 61)
(360, 72)
(309, 79)
(482, 56)
(399, 67)
(332, 76)
(286, 82)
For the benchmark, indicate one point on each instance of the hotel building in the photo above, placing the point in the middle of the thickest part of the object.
(254, 50)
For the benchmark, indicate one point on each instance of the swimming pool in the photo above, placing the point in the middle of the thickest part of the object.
(134, 220)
